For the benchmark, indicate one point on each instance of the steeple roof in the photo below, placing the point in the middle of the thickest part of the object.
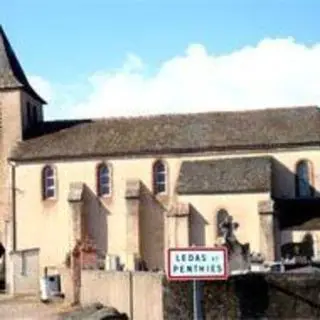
(12, 75)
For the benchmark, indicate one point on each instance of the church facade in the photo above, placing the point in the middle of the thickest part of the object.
(137, 186)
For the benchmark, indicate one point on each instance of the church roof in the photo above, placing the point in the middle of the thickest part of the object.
(12, 75)
(247, 174)
(182, 133)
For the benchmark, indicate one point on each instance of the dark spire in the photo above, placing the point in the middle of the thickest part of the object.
(12, 75)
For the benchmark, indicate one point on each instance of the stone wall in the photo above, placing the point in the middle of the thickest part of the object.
(146, 295)
(177, 300)
(24, 267)
(138, 294)
(108, 288)
(281, 296)
(10, 134)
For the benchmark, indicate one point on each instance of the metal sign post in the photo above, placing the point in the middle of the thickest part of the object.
(195, 301)
(197, 295)
(197, 263)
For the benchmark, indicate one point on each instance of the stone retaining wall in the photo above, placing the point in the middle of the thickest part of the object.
(146, 295)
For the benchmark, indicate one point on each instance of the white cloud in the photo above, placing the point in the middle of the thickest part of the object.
(276, 72)
(42, 86)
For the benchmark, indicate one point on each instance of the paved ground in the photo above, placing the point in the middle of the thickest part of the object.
(29, 308)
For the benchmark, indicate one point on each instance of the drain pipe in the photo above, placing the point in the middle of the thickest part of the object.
(13, 205)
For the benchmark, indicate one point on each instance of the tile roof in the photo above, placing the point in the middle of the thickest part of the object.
(49, 127)
(12, 75)
(212, 131)
(251, 174)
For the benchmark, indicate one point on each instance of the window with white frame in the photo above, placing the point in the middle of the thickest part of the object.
(103, 180)
(49, 182)
(159, 177)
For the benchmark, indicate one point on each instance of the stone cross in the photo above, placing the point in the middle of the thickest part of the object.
(228, 227)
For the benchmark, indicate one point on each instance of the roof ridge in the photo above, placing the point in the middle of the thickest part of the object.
(173, 115)
(76, 123)
(230, 159)
(67, 120)
(253, 131)
(227, 158)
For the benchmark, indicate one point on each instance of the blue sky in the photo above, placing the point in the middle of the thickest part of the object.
(75, 51)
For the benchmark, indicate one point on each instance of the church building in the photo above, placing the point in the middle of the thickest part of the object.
(136, 186)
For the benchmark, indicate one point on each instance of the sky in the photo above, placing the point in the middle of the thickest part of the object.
(103, 58)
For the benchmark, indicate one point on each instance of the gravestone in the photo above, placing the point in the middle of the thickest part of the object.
(299, 252)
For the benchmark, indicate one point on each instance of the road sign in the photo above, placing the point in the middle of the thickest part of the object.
(197, 263)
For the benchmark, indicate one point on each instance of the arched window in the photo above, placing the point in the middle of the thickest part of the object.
(304, 179)
(159, 177)
(49, 182)
(103, 180)
(222, 215)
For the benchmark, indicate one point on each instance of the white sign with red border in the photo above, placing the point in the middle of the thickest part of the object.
(197, 263)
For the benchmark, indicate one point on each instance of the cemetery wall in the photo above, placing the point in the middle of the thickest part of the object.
(138, 294)
(274, 296)
(146, 295)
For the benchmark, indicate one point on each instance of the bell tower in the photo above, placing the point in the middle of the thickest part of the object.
(20, 111)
